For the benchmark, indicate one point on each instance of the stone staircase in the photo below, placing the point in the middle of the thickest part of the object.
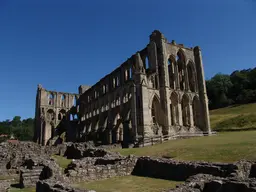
(29, 177)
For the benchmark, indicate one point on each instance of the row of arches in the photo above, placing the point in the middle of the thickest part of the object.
(51, 100)
(184, 112)
(106, 129)
(181, 75)
(116, 80)
(95, 110)
(62, 115)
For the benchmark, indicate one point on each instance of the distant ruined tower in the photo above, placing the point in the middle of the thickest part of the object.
(52, 108)
(158, 91)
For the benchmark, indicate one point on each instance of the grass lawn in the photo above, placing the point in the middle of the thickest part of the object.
(234, 117)
(22, 190)
(129, 184)
(62, 161)
(7, 177)
(224, 147)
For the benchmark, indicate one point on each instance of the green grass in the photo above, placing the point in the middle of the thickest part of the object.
(239, 117)
(22, 190)
(6, 177)
(224, 147)
(129, 184)
(62, 161)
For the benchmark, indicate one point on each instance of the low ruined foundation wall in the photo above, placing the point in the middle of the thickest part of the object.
(147, 141)
(54, 186)
(179, 170)
(89, 169)
(209, 183)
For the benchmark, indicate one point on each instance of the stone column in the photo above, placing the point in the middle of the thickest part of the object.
(162, 58)
(191, 115)
(180, 120)
(134, 111)
(177, 79)
(110, 118)
(186, 79)
(172, 114)
(145, 111)
(109, 136)
(202, 91)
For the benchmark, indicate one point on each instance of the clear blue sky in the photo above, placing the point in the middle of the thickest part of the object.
(62, 44)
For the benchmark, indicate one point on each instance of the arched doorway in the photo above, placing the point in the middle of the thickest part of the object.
(156, 116)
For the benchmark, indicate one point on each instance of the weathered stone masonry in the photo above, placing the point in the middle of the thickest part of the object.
(160, 90)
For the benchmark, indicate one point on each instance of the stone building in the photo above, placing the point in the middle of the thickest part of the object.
(160, 90)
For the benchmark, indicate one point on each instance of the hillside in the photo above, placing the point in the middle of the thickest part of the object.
(239, 117)
(223, 147)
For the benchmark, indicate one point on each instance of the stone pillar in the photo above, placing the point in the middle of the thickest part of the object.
(202, 91)
(109, 136)
(177, 78)
(110, 118)
(41, 136)
(186, 79)
(142, 98)
(146, 116)
(180, 120)
(162, 58)
(134, 111)
(191, 115)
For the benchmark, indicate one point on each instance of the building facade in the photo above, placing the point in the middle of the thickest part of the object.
(160, 90)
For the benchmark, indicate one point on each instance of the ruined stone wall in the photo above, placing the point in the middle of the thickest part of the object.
(178, 170)
(209, 183)
(167, 97)
(53, 110)
(89, 169)
(55, 186)
(159, 90)
(106, 107)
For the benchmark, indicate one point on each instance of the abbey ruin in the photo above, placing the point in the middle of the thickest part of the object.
(159, 91)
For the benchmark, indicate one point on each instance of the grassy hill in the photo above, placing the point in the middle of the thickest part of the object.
(223, 147)
(240, 117)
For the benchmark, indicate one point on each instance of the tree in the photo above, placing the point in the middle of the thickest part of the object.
(218, 88)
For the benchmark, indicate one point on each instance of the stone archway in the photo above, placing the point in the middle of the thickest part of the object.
(181, 60)
(62, 115)
(191, 76)
(185, 110)
(172, 70)
(156, 116)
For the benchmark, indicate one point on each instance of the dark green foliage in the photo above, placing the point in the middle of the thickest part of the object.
(237, 88)
(20, 129)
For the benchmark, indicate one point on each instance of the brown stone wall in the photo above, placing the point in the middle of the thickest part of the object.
(88, 169)
(159, 90)
(55, 186)
(179, 170)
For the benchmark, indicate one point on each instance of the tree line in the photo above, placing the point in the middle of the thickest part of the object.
(19, 129)
(223, 90)
(237, 88)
